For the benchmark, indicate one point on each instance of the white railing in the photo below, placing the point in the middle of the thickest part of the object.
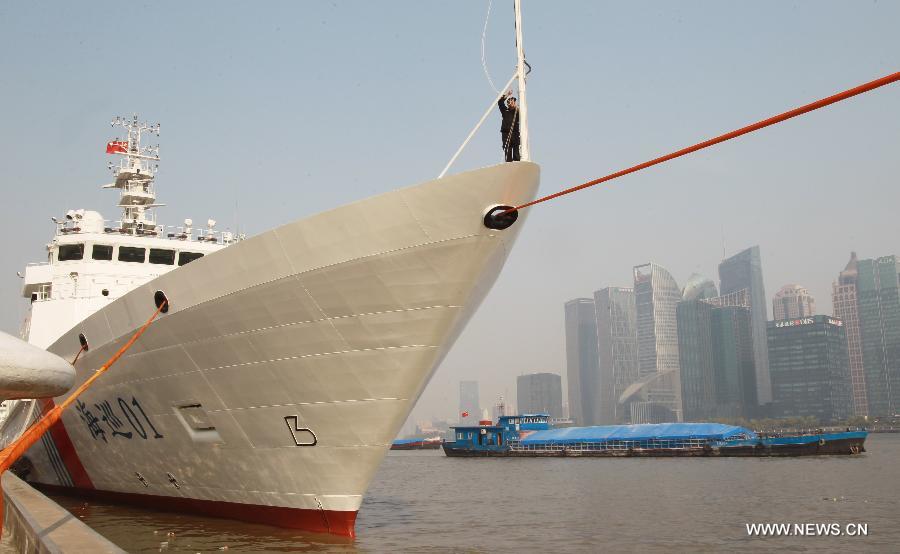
(172, 232)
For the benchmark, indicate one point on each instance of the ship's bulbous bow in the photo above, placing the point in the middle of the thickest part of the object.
(288, 362)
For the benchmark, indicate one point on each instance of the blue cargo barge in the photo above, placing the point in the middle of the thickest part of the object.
(532, 435)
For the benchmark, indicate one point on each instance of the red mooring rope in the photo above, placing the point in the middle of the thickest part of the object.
(871, 85)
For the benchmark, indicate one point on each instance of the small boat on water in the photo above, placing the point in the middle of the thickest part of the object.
(532, 435)
(430, 443)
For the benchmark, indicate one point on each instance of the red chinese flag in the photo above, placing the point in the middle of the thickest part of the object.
(465, 414)
(117, 147)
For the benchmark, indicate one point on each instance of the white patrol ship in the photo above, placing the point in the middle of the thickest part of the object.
(286, 363)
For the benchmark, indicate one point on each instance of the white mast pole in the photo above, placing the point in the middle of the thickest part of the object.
(524, 151)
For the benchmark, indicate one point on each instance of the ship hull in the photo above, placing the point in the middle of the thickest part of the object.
(287, 363)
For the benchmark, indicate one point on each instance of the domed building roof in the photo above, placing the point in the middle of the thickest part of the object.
(699, 287)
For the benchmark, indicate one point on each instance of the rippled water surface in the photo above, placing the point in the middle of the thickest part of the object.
(425, 502)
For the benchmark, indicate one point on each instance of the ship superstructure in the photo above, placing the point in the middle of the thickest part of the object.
(92, 261)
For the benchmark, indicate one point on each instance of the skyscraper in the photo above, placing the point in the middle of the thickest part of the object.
(810, 368)
(844, 299)
(581, 359)
(539, 393)
(469, 403)
(695, 350)
(617, 352)
(715, 348)
(735, 368)
(878, 294)
(655, 296)
(792, 302)
(744, 271)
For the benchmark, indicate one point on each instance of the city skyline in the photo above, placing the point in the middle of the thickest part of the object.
(830, 366)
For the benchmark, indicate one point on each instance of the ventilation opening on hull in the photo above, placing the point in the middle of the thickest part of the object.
(197, 422)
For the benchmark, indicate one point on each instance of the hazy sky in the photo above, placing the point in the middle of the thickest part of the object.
(275, 111)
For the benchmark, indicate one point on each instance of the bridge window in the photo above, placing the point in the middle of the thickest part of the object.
(102, 252)
(132, 254)
(69, 252)
(188, 257)
(162, 256)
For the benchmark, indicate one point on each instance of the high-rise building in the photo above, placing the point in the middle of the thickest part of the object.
(617, 352)
(744, 271)
(469, 403)
(844, 300)
(539, 393)
(735, 368)
(695, 350)
(878, 296)
(581, 359)
(655, 296)
(792, 302)
(715, 348)
(810, 368)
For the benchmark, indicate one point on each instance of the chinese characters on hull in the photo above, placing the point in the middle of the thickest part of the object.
(111, 421)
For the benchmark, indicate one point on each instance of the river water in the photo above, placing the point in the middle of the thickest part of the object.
(425, 502)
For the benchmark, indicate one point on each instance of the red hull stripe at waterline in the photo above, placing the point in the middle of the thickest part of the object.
(318, 521)
(67, 451)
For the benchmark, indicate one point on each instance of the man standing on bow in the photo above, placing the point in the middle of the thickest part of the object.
(509, 128)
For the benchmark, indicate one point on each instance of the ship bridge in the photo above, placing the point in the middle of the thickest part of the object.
(92, 261)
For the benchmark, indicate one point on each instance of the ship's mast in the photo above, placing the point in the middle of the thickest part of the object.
(524, 150)
(134, 175)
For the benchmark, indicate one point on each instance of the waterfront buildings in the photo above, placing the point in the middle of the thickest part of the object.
(878, 297)
(581, 359)
(735, 367)
(469, 403)
(656, 295)
(617, 353)
(792, 302)
(539, 393)
(695, 350)
(844, 300)
(810, 368)
(744, 271)
(715, 346)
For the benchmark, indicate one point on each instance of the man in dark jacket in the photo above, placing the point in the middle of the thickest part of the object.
(509, 128)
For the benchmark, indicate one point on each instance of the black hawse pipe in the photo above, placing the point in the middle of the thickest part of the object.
(499, 217)
(162, 303)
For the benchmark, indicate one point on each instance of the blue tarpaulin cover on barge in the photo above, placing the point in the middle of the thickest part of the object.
(406, 441)
(659, 431)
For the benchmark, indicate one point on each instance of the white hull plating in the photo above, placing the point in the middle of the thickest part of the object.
(334, 324)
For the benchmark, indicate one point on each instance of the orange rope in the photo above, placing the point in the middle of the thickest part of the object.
(11, 453)
(871, 85)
